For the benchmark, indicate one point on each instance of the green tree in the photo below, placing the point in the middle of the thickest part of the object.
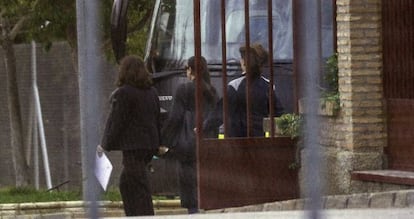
(46, 21)
(139, 15)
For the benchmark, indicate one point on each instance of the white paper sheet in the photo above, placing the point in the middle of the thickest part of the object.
(103, 169)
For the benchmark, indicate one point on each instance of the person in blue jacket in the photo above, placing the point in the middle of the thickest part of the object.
(237, 101)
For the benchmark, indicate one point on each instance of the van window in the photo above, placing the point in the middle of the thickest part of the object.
(282, 31)
(172, 40)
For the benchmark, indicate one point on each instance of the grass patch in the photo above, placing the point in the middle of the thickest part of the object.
(112, 194)
(28, 194)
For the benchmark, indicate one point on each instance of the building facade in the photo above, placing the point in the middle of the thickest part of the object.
(368, 144)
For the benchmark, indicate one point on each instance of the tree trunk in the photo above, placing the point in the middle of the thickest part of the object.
(20, 165)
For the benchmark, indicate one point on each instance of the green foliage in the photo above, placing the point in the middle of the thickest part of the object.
(139, 17)
(294, 166)
(331, 74)
(41, 20)
(46, 21)
(112, 194)
(28, 194)
(289, 124)
(136, 43)
(331, 79)
(331, 97)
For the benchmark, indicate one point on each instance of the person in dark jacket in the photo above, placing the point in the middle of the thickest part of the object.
(183, 113)
(133, 127)
(237, 101)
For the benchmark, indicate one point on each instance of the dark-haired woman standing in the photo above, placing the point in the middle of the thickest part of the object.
(183, 112)
(236, 92)
(133, 127)
(259, 90)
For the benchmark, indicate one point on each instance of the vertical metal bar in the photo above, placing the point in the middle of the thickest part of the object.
(36, 164)
(401, 70)
(409, 65)
(309, 58)
(33, 118)
(197, 51)
(247, 37)
(198, 101)
(270, 49)
(90, 82)
(224, 63)
(296, 78)
(38, 112)
(39, 118)
(334, 26)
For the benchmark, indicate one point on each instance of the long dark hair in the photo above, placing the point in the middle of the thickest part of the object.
(209, 92)
(258, 57)
(132, 71)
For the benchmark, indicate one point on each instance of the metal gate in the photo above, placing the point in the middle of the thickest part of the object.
(398, 63)
(238, 172)
(241, 171)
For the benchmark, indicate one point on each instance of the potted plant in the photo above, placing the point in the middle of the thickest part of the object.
(288, 124)
(328, 104)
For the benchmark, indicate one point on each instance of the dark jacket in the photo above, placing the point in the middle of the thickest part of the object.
(134, 120)
(237, 113)
(236, 91)
(183, 112)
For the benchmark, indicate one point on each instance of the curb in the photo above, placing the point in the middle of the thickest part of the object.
(78, 209)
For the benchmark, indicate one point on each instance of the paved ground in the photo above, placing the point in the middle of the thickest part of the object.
(406, 213)
(397, 204)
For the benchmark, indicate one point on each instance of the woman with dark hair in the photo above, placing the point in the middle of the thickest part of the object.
(133, 127)
(259, 91)
(182, 116)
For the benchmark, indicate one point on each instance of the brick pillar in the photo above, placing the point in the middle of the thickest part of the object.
(362, 117)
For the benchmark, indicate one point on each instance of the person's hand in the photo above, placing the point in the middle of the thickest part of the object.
(99, 150)
(162, 150)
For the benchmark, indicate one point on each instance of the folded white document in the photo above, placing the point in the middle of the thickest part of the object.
(103, 169)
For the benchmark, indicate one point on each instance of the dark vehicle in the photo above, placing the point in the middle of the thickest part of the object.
(171, 41)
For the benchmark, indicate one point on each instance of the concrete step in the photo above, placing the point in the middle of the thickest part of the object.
(78, 209)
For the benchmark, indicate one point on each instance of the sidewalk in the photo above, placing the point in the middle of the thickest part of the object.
(392, 204)
(405, 213)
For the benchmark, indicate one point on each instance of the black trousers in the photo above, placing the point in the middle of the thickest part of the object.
(134, 183)
(188, 184)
